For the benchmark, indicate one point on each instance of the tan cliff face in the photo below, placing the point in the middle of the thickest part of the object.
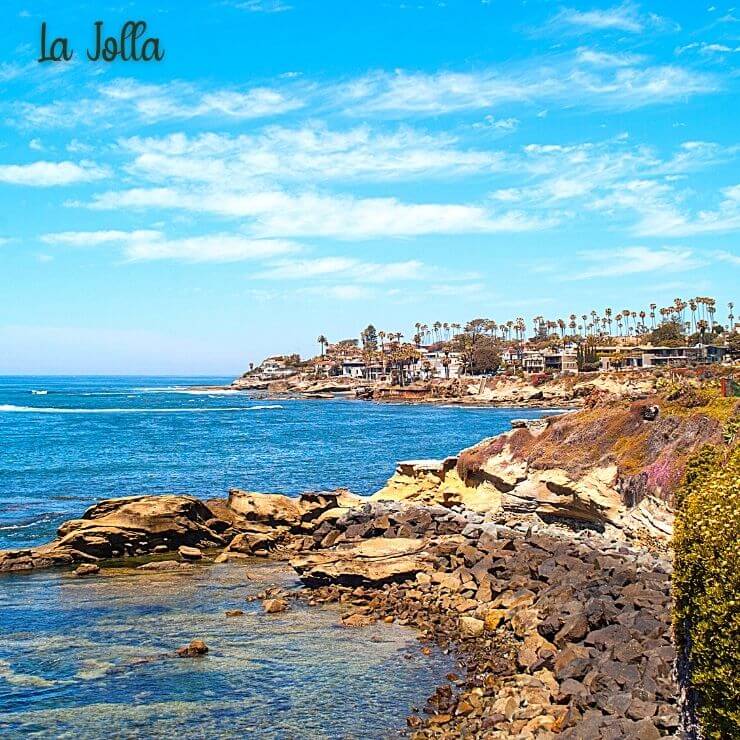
(617, 464)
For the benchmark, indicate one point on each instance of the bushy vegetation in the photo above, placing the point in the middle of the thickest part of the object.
(707, 586)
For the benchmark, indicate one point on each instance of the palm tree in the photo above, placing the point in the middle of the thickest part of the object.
(608, 314)
(730, 315)
(381, 336)
(653, 306)
(446, 328)
(321, 339)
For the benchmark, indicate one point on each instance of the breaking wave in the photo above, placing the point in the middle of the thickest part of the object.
(10, 408)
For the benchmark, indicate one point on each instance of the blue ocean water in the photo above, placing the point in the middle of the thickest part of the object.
(67, 442)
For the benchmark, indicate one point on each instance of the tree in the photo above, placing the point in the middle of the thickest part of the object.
(322, 343)
(370, 338)
(667, 334)
(485, 357)
(586, 356)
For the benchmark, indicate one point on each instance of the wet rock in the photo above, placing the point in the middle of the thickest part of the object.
(357, 620)
(189, 553)
(165, 566)
(274, 606)
(194, 649)
(234, 613)
(87, 569)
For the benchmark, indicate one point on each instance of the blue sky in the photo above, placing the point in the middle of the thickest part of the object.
(294, 168)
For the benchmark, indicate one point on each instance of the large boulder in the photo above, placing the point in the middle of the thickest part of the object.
(373, 561)
(123, 527)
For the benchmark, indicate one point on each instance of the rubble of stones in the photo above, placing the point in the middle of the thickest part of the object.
(562, 634)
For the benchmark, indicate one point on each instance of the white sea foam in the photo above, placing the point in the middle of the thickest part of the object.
(10, 408)
(39, 393)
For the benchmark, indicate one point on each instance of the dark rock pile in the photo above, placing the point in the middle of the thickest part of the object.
(561, 633)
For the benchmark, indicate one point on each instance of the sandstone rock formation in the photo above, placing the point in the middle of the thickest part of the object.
(377, 560)
(615, 465)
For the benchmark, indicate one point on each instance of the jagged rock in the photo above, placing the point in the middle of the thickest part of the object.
(125, 526)
(358, 620)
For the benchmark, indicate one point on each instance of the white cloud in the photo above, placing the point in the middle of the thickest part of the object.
(47, 174)
(729, 257)
(126, 100)
(616, 81)
(263, 6)
(145, 245)
(349, 269)
(309, 152)
(607, 59)
(632, 261)
(624, 17)
(278, 213)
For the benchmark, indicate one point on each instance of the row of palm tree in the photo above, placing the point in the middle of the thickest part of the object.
(701, 317)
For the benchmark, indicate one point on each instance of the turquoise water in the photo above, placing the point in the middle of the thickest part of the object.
(68, 442)
(92, 658)
(88, 658)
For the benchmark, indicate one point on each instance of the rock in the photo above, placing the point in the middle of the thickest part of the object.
(194, 649)
(493, 619)
(234, 613)
(471, 627)
(274, 606)
(253, 543)
(87, 569)
(650, 413)
(374, 561)
(357, 620)
(165, 566)
(189, 553)
(122, 527)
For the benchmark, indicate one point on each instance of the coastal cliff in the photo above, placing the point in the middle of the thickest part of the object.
(616, 464)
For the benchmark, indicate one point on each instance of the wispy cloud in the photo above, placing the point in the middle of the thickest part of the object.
(632, 261)
(277, 213)
(626, 17)
(310, 152)
(48, 174)
(126, 99)
(263, 6)
(146, 245)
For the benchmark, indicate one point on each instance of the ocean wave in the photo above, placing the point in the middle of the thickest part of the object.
(39, 393)
(45, 519)
(10, 408)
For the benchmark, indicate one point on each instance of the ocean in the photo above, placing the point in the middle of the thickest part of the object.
(87, 658)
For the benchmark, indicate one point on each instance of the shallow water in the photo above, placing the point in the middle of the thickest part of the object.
(92, 657)
(68, 442)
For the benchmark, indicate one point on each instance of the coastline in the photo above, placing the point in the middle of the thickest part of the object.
(543, 567)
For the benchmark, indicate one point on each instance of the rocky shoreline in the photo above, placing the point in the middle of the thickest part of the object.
(565, 392)
(561, 632)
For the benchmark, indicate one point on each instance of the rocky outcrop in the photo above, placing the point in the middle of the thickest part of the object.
(615, 465)
(118, 528)
(373, 561)
(247, 523)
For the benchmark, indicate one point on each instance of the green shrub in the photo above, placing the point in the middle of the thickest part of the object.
(707, 586)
